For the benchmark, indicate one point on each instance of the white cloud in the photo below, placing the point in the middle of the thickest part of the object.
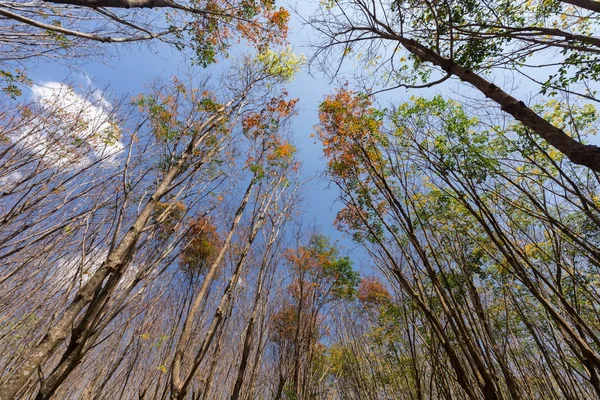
(73, 268)
(72, 131)
(10, 181)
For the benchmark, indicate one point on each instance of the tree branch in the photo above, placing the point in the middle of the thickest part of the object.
(587, 4)
(69, 32)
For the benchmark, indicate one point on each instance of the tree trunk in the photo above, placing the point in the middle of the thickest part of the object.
(117, 3)
(578, 153)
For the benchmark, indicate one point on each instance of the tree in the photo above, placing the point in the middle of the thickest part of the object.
(68, 28)
(270, 166)
(415, 44)
(319, 278)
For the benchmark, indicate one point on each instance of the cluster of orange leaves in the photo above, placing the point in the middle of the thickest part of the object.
(264, 125)
(201, 246)
(281, 107)
(260, 23)
(372, 291)
(347, 121)
(276, 108)
(306, 259)
(285, 324)
(280, 151)
(272, 30)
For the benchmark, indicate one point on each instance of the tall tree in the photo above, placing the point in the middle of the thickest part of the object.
(319, 277)
(75, 28)
(414, 44)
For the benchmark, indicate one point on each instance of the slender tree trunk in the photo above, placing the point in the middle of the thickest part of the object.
(176, 382)
(280, 386)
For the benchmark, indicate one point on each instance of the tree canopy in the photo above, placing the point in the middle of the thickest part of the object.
(160, 244)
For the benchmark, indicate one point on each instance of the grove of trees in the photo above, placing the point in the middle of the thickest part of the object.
(156, 245)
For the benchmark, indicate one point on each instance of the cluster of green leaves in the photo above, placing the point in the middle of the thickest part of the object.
(13, 81)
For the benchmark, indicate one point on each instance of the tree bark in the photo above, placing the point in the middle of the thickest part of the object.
(176, 382)
(117, 3)
(587, 4)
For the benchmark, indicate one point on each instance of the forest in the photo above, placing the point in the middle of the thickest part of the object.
(171, 238)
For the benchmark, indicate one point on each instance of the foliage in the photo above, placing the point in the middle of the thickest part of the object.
(372, 291)
(283, 64)
(202, 244)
